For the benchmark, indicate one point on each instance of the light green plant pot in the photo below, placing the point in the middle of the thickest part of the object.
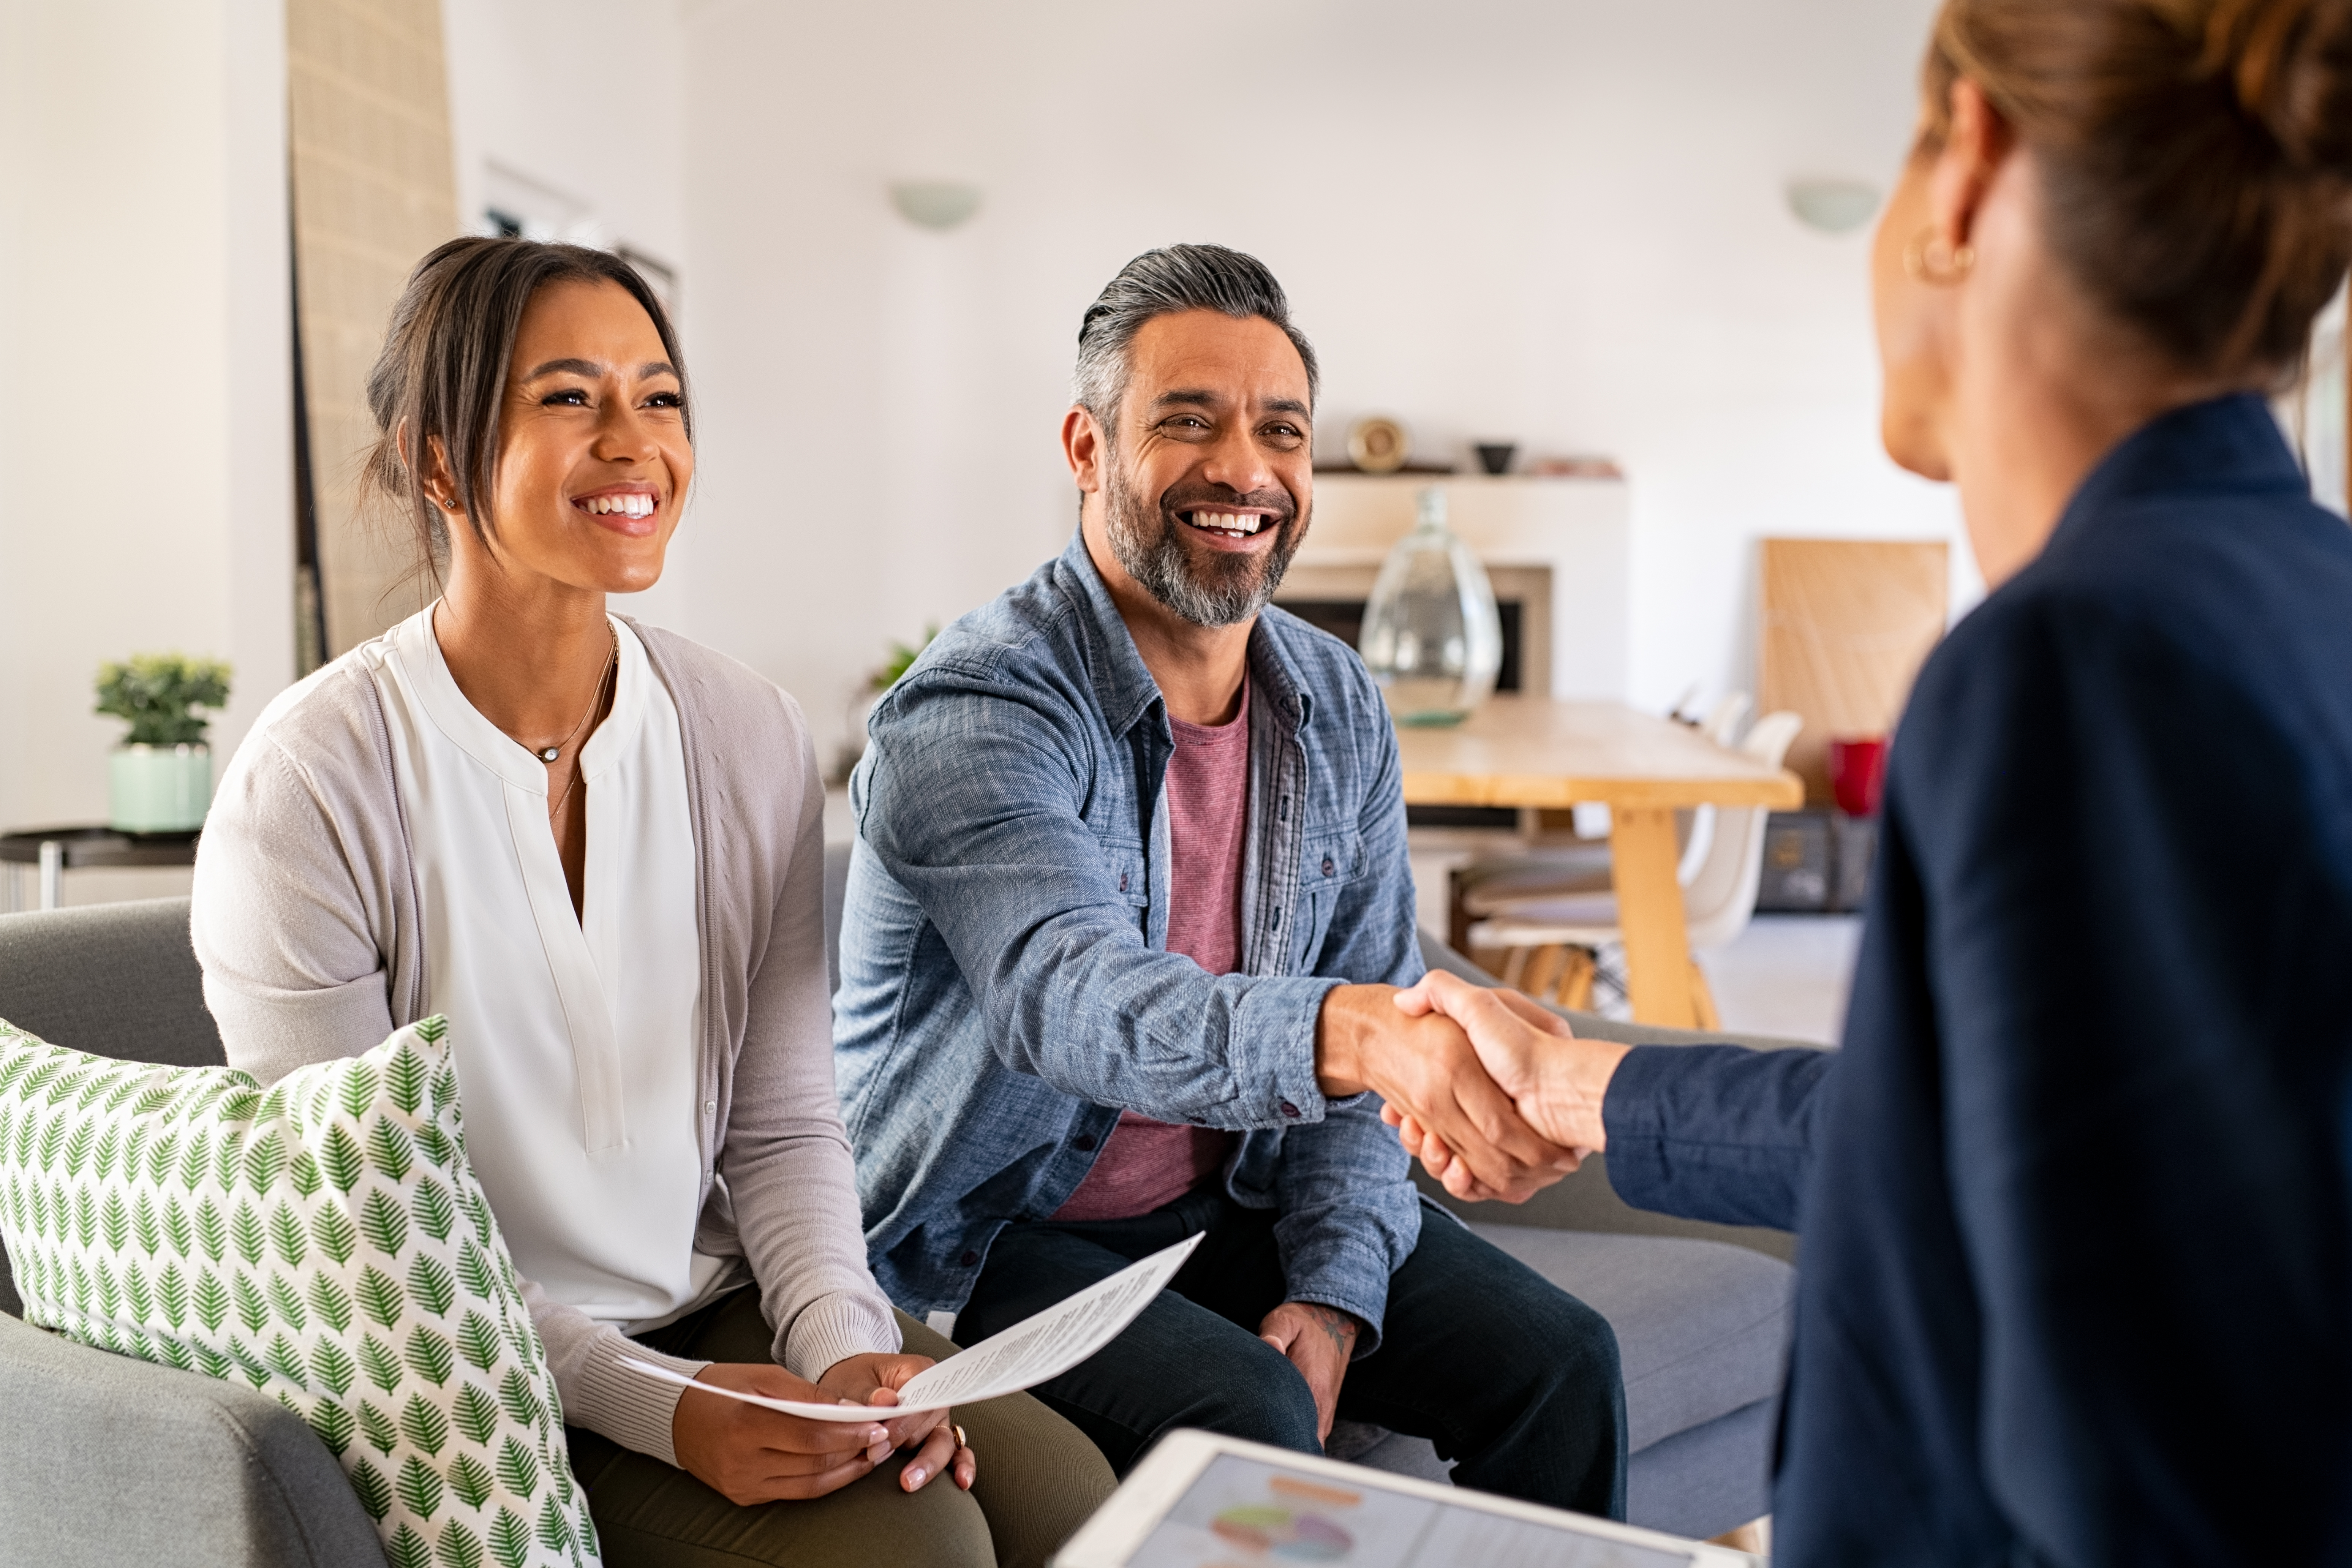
(160, 789)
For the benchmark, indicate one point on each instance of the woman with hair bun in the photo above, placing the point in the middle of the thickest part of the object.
(2077, 1194)
(598, 848)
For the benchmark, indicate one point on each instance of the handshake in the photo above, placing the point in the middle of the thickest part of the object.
(1492, 1091)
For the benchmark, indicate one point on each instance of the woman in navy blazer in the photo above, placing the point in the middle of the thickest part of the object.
(2077, 1194)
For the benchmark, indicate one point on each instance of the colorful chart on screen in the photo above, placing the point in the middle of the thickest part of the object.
(1241, 1513)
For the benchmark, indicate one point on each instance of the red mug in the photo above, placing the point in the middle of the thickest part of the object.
(1857, 769)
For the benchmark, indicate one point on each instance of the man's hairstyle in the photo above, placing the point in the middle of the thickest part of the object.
(1161, 283)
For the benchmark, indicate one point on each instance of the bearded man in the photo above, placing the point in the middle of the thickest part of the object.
(1126, 915)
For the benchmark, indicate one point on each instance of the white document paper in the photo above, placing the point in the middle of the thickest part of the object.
(1023, 1356)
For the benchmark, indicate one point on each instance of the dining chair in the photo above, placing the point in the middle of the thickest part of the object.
(1552, 939)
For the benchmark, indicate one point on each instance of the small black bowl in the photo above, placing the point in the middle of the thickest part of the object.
(1495, 456)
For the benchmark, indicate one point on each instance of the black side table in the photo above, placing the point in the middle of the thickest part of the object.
(56, 851)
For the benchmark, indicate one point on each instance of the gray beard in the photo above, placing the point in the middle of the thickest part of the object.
(1151, 546)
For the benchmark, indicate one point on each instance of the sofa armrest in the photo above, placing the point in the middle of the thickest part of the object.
(106, 1460)
(1586, 1201)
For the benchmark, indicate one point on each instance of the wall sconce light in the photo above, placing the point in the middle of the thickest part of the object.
(1833, 207)
(935, 204)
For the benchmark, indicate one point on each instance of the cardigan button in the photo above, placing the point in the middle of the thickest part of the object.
(1122, 881)
(1327, 867)
(1084, 1141)
(970, 1259)
(1289, 1110)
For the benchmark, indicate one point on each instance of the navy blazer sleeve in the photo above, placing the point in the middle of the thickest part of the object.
(1714, 1132)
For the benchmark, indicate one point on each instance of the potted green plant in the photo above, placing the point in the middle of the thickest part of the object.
(869, 691)
(162, 775)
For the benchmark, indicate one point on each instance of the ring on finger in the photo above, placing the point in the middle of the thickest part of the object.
(961, 1441)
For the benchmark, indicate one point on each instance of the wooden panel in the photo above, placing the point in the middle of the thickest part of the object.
(375, 188)
(1522, 751)
(1846, 624)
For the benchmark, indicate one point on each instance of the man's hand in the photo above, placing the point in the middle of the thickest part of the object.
(1320, 1342)
(1557, 1081)
(876, 1379)
(1424, 1066)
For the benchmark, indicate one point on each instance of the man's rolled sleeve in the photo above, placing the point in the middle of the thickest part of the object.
(1272, 1050)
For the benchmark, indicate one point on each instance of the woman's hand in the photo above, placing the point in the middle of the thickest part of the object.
(1557, 1081)
(876, 1379)
(750, 1455)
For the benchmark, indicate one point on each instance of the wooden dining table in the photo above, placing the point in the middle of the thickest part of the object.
(1544, 753)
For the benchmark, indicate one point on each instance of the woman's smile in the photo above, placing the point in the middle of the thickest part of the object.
(629, 510)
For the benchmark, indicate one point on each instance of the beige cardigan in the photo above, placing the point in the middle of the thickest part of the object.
(307, 922)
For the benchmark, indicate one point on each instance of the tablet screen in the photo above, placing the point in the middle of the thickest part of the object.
(1245, 1514)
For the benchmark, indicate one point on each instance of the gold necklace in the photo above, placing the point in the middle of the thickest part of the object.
(612, 662)
(595, 700)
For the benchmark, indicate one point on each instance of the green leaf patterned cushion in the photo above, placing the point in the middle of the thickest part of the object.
(326, 1242)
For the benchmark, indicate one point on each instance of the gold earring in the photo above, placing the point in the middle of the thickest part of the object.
(1920, 259)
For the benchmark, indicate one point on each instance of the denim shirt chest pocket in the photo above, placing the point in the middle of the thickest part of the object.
(1328, 863)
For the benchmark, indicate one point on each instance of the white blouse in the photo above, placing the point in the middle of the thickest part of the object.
(575, 1038)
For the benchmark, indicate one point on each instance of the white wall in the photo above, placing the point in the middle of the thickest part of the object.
(577, 106)
(1558, 221)
(143, 323)
(584, 98)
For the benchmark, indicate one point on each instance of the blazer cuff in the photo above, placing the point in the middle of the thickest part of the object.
(1714, 1132)
(632, 1409)
(834, 1328)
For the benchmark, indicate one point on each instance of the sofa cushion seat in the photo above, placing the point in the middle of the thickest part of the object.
(1702, 1328)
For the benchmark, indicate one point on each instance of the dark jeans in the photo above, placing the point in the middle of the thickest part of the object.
(1513, 1380)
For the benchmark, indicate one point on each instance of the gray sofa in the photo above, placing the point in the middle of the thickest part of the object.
(105, 1460)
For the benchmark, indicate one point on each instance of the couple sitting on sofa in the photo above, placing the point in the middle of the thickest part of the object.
(1126, 919)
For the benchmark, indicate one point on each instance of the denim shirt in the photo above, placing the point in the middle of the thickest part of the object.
(1006, 989)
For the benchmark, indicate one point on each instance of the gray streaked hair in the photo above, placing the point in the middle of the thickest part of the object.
(1161, 283)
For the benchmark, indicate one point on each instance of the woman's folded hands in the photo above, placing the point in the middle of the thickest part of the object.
(750, 1454)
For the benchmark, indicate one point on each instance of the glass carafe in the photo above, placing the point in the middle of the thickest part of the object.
(1432, 639)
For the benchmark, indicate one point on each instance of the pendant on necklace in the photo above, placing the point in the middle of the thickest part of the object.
(550, 754)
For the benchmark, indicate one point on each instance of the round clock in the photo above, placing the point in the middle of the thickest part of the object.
(1379, 446)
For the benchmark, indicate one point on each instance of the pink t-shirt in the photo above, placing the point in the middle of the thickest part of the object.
(1147, 1164)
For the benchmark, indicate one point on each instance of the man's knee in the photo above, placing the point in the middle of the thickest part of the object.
(1578, 1348)
(1258, 1395)
(1536, 1344)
